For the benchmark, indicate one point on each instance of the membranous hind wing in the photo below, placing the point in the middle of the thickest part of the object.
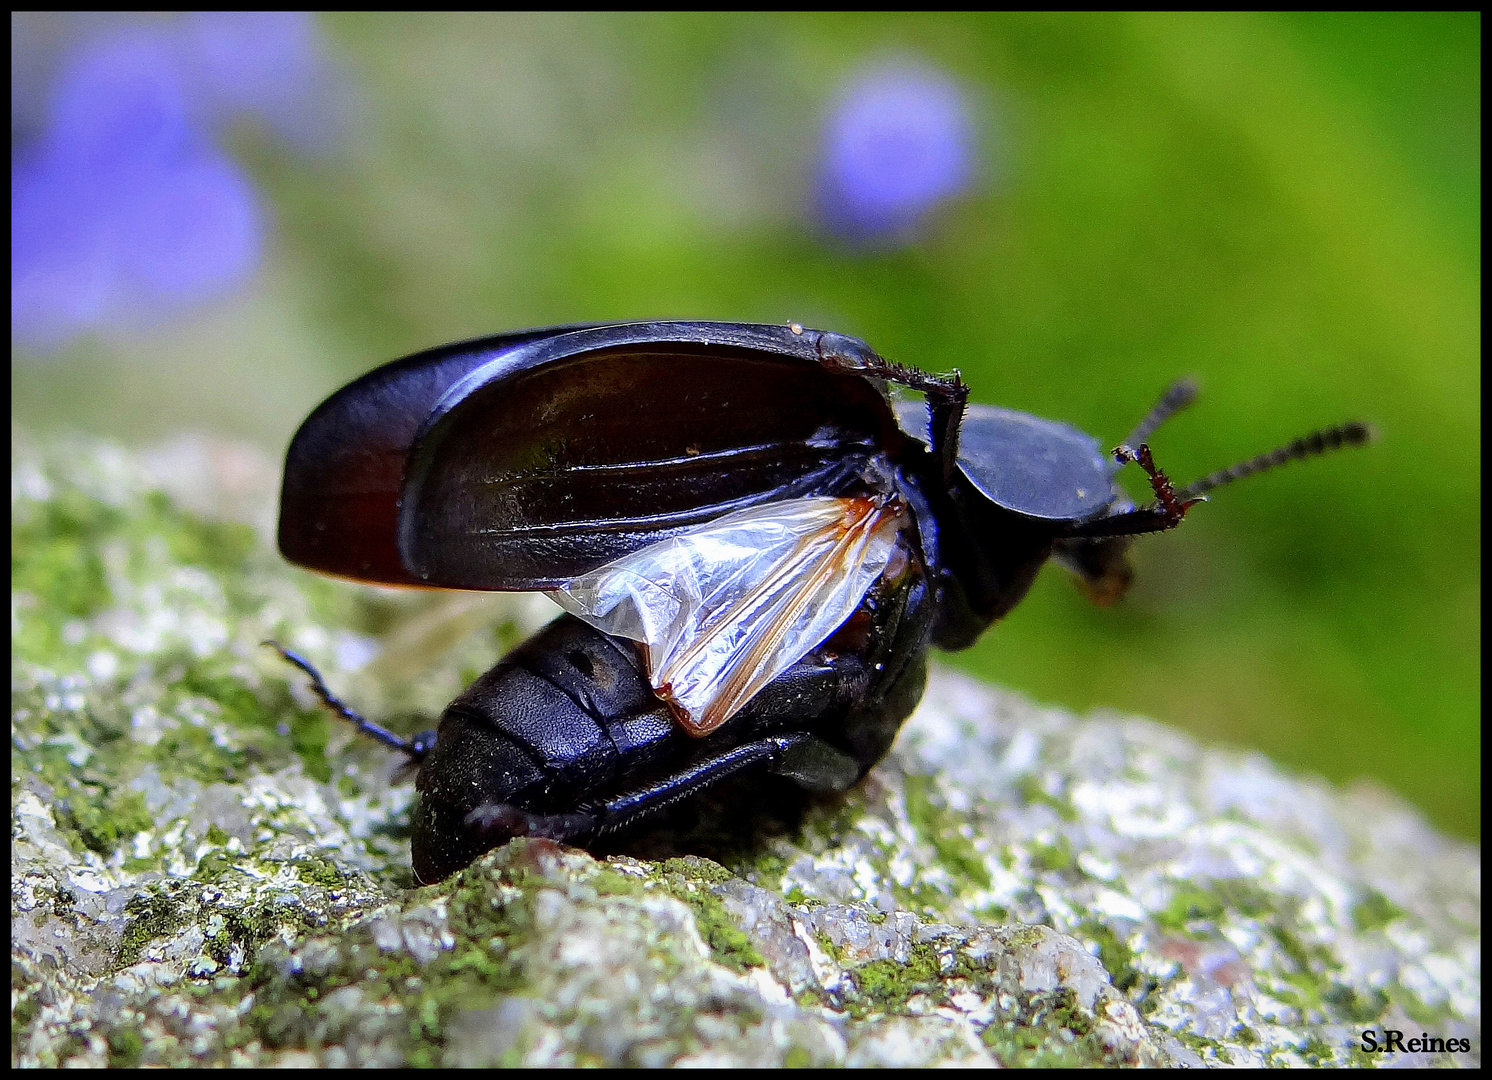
(724, 608)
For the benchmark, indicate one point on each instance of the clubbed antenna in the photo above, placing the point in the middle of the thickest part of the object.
(1178, 396)
(1353, 433)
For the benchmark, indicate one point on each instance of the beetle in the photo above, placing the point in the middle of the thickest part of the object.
(755, 546)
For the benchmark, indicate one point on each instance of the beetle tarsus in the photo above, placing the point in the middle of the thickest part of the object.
(1172, 507)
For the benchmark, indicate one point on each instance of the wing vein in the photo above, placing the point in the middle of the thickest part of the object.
(724, 608)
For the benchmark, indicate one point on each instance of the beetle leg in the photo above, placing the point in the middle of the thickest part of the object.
(1147, 519)
(415, 748)
(801, 757)
(947, 395)
(777, 753)
(947, 417)
(1172, 506)
(1174, 502)
(816, 766)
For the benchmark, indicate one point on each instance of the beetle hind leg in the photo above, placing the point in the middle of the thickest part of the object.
(805, 759)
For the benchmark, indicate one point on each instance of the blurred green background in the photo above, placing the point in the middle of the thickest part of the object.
(1286, 206)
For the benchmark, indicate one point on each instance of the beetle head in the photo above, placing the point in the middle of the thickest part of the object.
(1025, 489)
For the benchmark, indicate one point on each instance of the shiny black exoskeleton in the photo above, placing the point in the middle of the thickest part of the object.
(525, 460)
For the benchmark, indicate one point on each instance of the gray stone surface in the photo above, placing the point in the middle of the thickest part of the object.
(205, 870)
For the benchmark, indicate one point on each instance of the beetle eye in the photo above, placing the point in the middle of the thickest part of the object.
(582, 662)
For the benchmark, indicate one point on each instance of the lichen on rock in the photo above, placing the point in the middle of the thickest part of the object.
(207, 870)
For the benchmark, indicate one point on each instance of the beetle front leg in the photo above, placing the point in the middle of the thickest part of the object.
(1166, 513)
(1172, 506)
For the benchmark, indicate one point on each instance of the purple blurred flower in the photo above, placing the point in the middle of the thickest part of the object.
(125, 211)
(900, 142)
(268, 63)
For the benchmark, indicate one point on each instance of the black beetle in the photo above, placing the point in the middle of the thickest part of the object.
(745, 503)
